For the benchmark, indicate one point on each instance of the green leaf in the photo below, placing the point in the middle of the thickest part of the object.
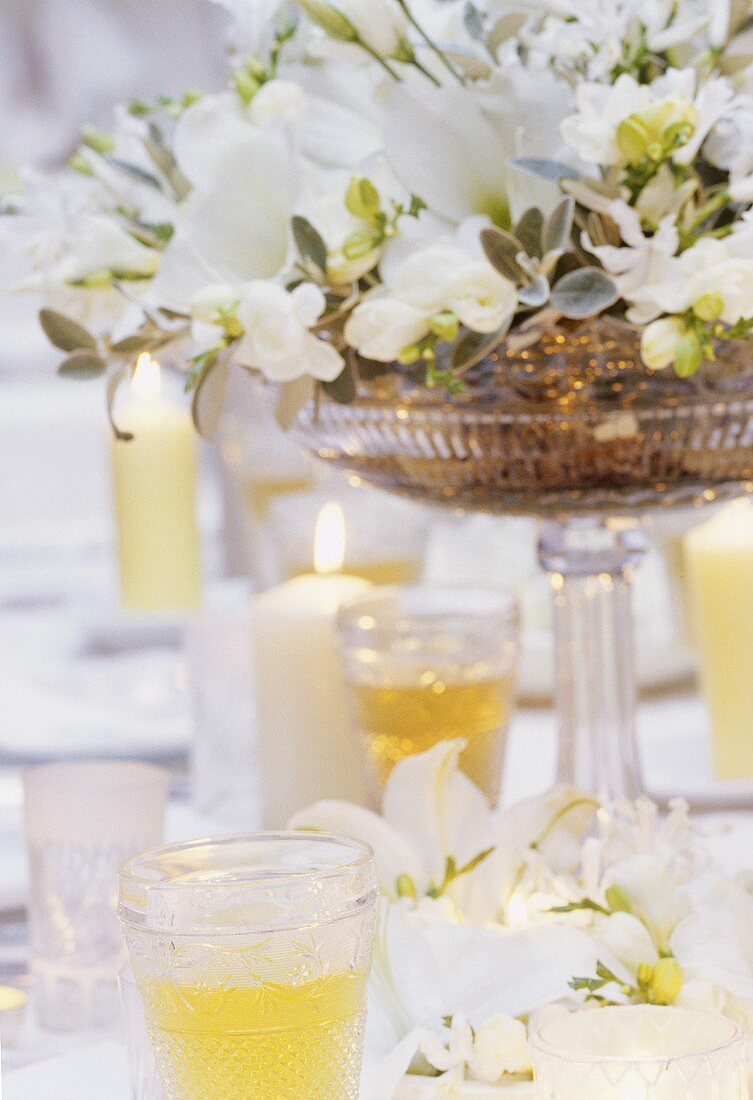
(344, 388)
(584, 293)
(530, 230)
(293, 396)
(209, 397)
(586, 904)
(64, 333)
(536, 294)
(559, 225)
(113, 384)
(135, 172)
(501, 249)
(309, 243)
(472, 347)
(82, 364)
(546, 169)
(474, 21)
(129, 345)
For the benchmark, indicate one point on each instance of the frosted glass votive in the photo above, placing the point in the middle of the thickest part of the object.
(83, 819)
(640, 1052)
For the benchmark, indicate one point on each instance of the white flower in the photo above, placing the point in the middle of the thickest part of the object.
(659, 342)
(621, 124)
(481, 298)
(382, 326)
(276, 339)
(730, 144)
(278, 99)
(381, 25)
(451, 145)
(628, 939)
(500, 1046)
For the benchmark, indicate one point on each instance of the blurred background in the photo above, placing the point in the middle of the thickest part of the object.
(82, 676)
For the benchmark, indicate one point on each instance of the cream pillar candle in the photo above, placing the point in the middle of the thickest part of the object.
(154, 477)
(306, 749)
(720, 567)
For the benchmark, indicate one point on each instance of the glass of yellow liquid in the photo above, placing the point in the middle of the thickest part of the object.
(251, 955)
(427, 664)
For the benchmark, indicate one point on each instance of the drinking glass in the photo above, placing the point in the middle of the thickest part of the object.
(252, 956)
(640, 1052)
(142, 1066)
(82, 820)
(426, 664)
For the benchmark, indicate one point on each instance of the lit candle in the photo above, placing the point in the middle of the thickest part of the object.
(640, 1052)
(306, 751)
(720, 565)
(155, 498)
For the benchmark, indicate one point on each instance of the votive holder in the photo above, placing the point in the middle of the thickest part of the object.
(82, 820)
(428, 664)
(142, 1067)
(640, 1052)
(252, 954)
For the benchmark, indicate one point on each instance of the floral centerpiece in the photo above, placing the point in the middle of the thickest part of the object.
(493, 923)
(410, 182)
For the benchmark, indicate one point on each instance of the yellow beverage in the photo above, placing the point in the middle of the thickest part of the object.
(261, 491)
(399, 719)
(262, 1042)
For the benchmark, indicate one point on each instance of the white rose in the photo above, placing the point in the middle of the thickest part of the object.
(482, 298)
(628, 939)
(278, 99)
(381, 327)
(660, 340)
(276, 337)
(425, 279)
(500, 1046)
(380, 24)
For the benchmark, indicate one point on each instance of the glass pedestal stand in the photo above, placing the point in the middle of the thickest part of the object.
(590, 562)
(573, 431)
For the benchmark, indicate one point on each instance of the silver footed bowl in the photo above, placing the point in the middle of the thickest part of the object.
(572, 424)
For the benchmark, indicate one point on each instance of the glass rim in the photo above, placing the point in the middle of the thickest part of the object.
(353, 882)
(544, 1046)
(365, 857)
(468, 602)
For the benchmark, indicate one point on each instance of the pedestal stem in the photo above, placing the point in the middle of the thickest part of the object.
(590, 562)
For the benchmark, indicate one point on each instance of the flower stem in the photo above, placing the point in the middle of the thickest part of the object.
(430, 42)
(429, 76)
(380, 60)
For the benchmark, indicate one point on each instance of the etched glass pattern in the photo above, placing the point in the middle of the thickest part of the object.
(641, 1053)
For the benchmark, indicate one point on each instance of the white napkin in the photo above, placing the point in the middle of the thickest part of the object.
(91, 1073)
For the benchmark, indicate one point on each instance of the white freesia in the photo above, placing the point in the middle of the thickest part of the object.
(278, 99)
(500, 1046)
(629, 941)
(621, 124)
(381, 25)
(276, 339)
(382, 326)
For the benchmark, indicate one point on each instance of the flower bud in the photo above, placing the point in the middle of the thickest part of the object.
(660, 342)
(406, 887)
(709, 307)
(688, 355)
(666, 982)
(445, 325)
(633, 139)
(617, 900)
(362, 199)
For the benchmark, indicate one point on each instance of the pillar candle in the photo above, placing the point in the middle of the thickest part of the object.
(720, 567)
(306, 749)
(154, 477)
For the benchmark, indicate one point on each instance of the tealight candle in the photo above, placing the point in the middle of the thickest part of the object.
(720, 562)
(640, 1052)
(154, 478)
(306, 752)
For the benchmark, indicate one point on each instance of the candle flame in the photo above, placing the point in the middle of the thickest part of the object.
(517, 915)
(329, 540)
(146, 384)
